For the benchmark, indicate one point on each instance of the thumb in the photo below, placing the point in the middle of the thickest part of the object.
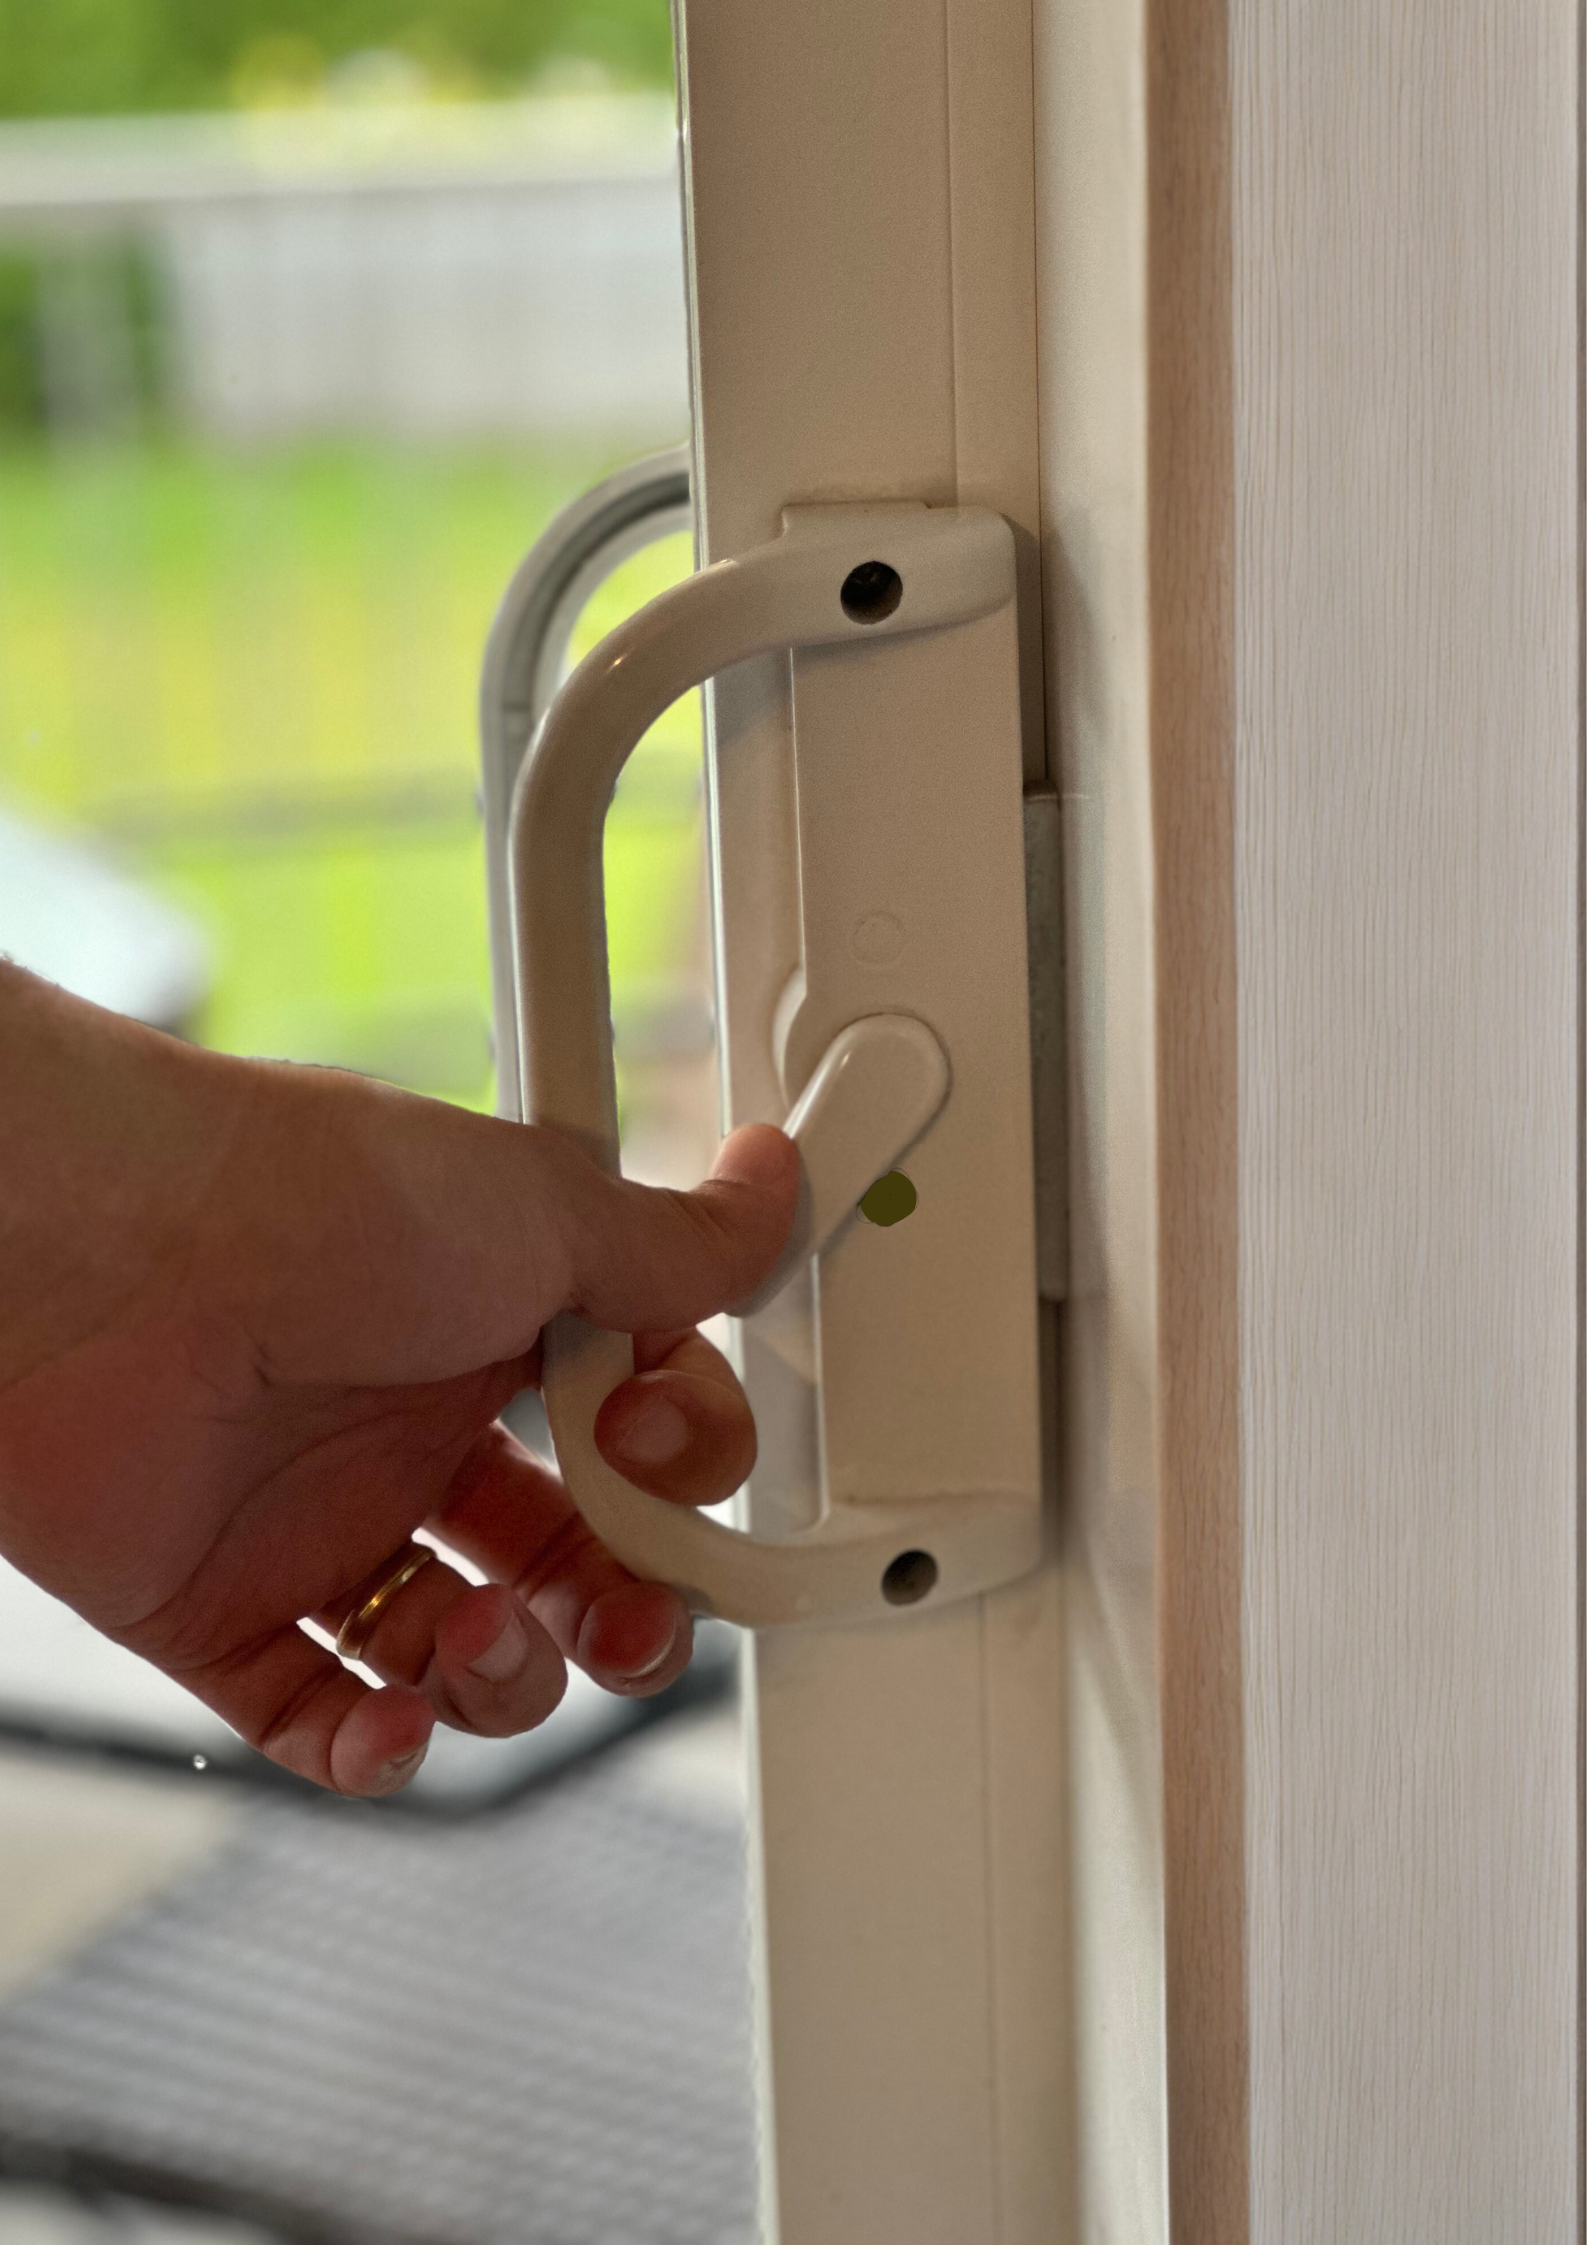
(638, 1259)
(390, 1239)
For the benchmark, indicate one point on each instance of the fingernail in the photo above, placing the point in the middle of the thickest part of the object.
(638, 1675)
(656, 1433)
(393, 1775)
(505, 1655)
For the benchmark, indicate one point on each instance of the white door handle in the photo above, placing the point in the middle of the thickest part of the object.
(837, 574)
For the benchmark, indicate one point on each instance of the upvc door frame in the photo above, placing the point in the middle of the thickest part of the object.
(860, 195)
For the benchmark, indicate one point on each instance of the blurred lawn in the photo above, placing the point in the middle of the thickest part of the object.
(258, 674)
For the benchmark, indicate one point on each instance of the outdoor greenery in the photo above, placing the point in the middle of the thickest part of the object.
(117, 271)
(256, 676)
(252, 674)
(102, 57)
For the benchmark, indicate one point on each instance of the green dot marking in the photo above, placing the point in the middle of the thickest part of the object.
(890, 1199)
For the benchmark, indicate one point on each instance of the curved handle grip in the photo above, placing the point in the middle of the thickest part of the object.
(836, 574)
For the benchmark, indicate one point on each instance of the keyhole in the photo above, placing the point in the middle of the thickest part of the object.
(909, 1578)
(871, 592)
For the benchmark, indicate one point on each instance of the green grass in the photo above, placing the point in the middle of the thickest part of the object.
(257, 675)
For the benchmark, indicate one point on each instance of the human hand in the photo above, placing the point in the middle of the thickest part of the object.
(256, 1323)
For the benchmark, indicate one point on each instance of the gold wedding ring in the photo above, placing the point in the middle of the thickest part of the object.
(359, 1626)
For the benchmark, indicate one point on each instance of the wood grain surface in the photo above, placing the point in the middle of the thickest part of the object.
(1190, 452)
(1407, 849)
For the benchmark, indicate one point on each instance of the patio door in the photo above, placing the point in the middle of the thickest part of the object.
(1220, 1878)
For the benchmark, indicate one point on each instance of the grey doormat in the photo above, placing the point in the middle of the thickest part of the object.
(532, 2029)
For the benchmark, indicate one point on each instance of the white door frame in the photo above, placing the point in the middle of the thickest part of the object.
(861, 211)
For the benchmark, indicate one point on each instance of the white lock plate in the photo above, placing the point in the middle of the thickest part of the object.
(912, 893)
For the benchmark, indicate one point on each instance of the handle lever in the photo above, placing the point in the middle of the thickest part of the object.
(878, 1086)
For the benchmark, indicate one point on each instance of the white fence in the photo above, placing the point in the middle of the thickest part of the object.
(508, 268)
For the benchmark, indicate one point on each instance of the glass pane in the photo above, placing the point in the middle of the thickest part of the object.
(285, 396)
(252, 675)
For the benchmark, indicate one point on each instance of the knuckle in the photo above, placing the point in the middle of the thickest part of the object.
(559, 1555)
(282, 1729)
